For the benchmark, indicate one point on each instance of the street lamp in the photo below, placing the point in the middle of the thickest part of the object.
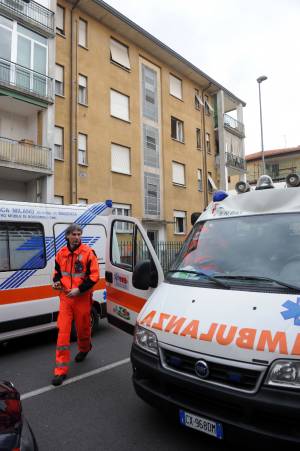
(259, 81)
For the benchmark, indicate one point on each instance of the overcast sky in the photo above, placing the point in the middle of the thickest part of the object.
(234, 42)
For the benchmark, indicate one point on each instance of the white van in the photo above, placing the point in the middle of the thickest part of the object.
(30, 235)
(218, 341)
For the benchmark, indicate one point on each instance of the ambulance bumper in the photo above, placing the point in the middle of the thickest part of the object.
(270, 413)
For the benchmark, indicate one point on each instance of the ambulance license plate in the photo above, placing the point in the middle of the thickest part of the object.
(201, 424)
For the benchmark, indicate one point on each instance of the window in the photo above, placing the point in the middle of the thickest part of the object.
(179, 222)
(149, 86)
(119, 105)
(198, 101)
(59, 80)
(82, 90)
(151, 146)
(122, 210)
(152, 194)
(119, 53)
(200, 180)
(177, 129)
(82, 149)
(207, 140)
(120, 159)
(211, 184)
(207, 106)
(82, 201)
(22, 246)
(82, 33)
(178, 173)
(198, 138)
(59, 200)
(60, 19)
(175, 87)
(59, 143)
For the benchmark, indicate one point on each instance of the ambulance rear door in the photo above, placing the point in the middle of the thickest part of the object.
(128, 248)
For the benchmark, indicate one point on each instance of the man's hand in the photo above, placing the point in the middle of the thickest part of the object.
(57, 285)
(73, 292)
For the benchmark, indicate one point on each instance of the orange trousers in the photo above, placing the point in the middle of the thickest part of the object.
(79, 309)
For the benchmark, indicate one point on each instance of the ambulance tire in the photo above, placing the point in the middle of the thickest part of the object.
(95, 320)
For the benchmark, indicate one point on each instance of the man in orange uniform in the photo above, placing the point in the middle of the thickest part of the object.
(76, 271)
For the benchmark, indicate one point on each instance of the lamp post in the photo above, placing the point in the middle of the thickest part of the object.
(259, 81)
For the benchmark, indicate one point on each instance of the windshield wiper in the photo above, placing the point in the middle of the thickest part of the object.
(263, 279)
(201, 273)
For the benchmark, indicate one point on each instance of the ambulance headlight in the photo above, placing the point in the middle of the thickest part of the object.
(145, 339)
(284, 373)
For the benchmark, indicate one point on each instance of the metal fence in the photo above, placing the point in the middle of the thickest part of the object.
(166, 252)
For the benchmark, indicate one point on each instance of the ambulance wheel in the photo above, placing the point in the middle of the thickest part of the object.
(95, 319)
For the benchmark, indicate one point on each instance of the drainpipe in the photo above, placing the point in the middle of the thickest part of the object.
(73, 107)
(205, 178)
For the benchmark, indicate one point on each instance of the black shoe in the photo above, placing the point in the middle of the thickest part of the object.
(58, 380)
(81, 356)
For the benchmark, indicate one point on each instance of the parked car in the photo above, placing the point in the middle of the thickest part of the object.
(15, 432)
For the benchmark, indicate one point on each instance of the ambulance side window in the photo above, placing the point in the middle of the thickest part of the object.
(122, 244)
(141, 249)
(22, 246)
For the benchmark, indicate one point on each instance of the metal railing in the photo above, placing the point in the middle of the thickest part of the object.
(165, 250)
(25, 153)
(234, 161)
(25, 80)
(279, 175)
(234, 125)
(31, 12)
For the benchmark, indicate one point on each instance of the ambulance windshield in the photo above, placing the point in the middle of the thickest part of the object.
(232, 249)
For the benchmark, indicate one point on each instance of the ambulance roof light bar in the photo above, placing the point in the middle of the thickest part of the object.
(264, 182)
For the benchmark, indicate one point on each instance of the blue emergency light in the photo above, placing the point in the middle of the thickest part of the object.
(219, 196)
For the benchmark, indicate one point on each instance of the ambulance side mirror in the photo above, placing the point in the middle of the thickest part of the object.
(145, 275)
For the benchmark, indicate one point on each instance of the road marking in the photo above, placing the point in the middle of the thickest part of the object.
(102, 369)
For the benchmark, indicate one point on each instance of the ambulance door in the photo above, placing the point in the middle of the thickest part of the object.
(128, 247)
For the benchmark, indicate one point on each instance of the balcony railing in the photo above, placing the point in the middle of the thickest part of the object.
(25, 80)
(25, 153)
(32, 13)
(234, 126)
(277, 175)
(234, 161)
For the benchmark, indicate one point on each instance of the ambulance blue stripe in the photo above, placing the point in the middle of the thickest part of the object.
(20, 276)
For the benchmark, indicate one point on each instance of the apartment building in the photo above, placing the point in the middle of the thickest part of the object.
(27, 64)
(278, 163)
(137, 123)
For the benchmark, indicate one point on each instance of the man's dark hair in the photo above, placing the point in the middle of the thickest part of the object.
(72, 228)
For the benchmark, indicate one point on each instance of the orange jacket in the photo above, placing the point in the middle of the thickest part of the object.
(76, 269)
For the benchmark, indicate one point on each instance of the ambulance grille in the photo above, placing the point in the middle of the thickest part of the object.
(231, 376)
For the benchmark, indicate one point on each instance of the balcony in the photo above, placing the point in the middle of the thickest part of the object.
(25, 155)
(235, 162)
(26, 81)
(277, 174)
(234, 126)
(32, 14)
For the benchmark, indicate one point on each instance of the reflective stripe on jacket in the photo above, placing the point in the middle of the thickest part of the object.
(76, 269)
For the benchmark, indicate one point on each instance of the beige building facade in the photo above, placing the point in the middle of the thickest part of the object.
(135, 122)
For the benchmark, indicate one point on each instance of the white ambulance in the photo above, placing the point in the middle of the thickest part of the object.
(218, 341)
(30, 235)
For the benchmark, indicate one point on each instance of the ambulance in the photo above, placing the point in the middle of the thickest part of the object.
(217, 338)
(30, 236)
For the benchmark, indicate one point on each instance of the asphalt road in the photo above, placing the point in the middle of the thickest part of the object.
(99, 411)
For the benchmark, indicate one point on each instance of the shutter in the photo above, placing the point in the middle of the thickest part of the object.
(58, 137)
(151, 146)
(120, 159)
(178, 173)
(119, 53)
(82, 33)
(119, 105)
(59, 73)
(60, 18)
(175, 87)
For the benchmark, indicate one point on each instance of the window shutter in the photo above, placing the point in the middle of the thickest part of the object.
(82, 81)
(120, 159)
(59, 73)
(175, 87)
(58, 137)
(119, 105)
(178, 173)
(151, 146)
(82, 33)
(119, 53)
